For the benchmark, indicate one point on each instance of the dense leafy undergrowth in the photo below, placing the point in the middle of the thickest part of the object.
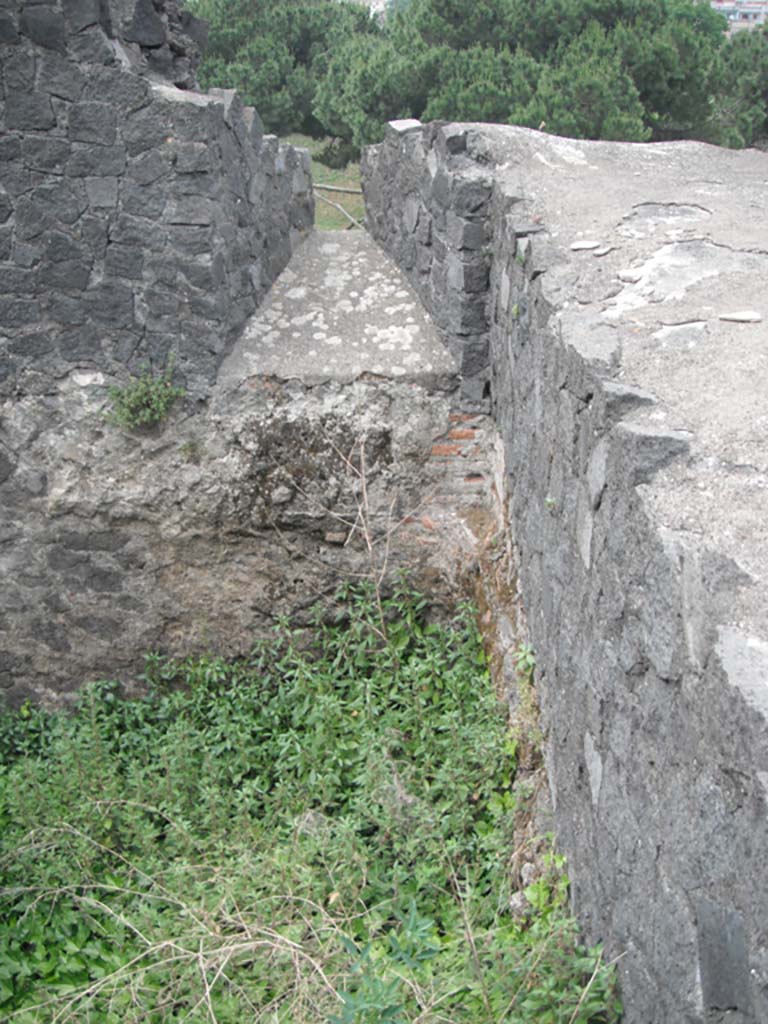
(321, 833)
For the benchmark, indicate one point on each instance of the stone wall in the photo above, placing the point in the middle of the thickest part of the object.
(301, 473)
(626, 345)
(436, 224)
(137, 218)
(200, 536)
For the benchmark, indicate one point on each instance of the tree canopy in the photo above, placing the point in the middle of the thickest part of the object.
(275, 52)
(611, 69)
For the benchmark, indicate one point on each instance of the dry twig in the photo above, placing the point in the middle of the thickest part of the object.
(353, 220)
(338, 188)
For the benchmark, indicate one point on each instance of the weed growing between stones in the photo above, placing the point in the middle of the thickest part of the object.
(318, 833)
(525, 724)
(145, 400)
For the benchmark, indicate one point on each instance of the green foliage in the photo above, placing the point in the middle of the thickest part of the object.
(459, 24)
(614, 69)
(586, 93)
(525, 661)
(145, 400)
(483, 84)
(320, 831)
(372, 79)
(674, 65)
(526, 729)
(740, 108)
(275, 51)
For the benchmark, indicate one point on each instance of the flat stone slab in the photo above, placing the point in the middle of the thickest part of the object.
(341, 309)
(656, 257)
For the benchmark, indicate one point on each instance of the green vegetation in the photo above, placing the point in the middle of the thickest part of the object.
(145, 400)
(276, 51)
(612, 69)
(321, 832)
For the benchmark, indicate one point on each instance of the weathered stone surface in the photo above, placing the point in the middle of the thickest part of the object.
(81, 14)
(91, 161)
(61, 77)
(145, 26)
(29, 111)
(191, 211)
(31, 219)
(111, 85)
(44, 25)
(149, 167)
(7, 466)
(45, 154)
(630, 411)
(18, 312)
(10, 148)
(191, 158)
(145, 201)
(6, 208)
(102, 192)
(92, 47)
(201, 533)
(338, 312)
(8, 31)
(431, 221)
(69, 275)
(124, 261)
(93, 122)
(6, 242)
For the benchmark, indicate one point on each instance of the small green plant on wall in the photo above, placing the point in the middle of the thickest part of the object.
(528, 726)
(145, 400)
(525, 662)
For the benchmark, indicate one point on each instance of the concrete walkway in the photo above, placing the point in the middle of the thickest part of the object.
(341, 310)
(341, 329)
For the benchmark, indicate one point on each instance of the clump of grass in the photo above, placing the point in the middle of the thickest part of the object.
(317, 833)
(145, 400)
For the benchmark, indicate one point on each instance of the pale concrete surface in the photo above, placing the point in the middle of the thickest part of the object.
(341, 309)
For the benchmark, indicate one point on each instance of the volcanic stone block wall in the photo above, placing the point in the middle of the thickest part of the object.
(137, 218)
(654, 712)
(436, 223)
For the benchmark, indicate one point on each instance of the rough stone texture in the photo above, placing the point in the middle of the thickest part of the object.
(627, 321)
(136, 218)
(434, 220)
(200, 534)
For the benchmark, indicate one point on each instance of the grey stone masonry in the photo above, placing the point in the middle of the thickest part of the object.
(138, 217)
(627, 325)
(430, 211)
